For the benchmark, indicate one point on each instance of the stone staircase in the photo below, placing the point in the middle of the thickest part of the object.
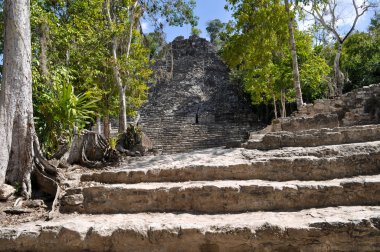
(317, 193)
(181, 134)
(193, 82)
(314, 137)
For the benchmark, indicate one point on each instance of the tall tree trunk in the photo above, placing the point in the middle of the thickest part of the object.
(44, 37)
(283, 104)
(296, 74)
(121, 89)
(122, 111)
(16, 110)
(106, 126)
(98, 126)
(275, 106)
(338, 75)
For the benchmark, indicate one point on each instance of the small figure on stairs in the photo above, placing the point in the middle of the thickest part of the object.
(197, 117)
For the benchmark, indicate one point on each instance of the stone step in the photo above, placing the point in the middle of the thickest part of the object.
(310, 138)
(354, 228)
(314, 163)
(224, 196)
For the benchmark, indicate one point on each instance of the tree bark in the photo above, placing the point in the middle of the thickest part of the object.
(122, 111)
(98, 125)
(283, 104)
(121, 89)
(106, 126)
(20, 153)
(16, 110)
(339, 79)
(44, 37)
(275, 106)
(296, 74)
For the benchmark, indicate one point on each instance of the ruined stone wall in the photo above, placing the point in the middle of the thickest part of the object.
(346, 110)
(349, 107)
(193, 105)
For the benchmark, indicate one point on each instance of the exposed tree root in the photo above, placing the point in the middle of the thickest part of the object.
(91, 150)
(45, 177)
(134, 142)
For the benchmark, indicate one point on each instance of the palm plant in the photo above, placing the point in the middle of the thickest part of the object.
(60, 110)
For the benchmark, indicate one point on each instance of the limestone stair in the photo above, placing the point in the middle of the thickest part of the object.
(227, 196)
(181, 134)
(318, 198)
(313, 230)
(314, 137)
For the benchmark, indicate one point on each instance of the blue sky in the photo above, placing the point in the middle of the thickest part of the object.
(208, 10)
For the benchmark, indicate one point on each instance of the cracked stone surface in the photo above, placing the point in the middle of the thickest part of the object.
(226, 196)
(315, 137)
(312, 163)
(326, 229)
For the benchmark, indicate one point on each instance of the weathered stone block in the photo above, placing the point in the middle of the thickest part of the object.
(6, 191)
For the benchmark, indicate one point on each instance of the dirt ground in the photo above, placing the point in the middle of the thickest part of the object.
(17, 210)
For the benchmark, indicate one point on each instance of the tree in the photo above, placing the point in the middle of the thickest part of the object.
(374, 26)
(195, 31)
(124, 22)
(361, 57)
(20, 154)
(296, 74)
(16, 109)
(214, 29)
(250, 13)
(155, 42)
(326, 14)
(259, 53)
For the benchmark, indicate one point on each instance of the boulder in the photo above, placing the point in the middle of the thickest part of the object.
(6, 191)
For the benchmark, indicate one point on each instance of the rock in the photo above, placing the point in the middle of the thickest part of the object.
(54, 162)
(134, 142)
(316, 121)
(327, 229)
(6, 191)
(358, 107)
(315, 137)
(144, 145)
(34, 204)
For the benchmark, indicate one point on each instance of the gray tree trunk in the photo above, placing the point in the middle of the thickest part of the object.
(44, 37)
(339, 78)
(121, 89)
(283, 104)
(296, 74)
(275, 106)
(122, 111)
(16, 110)
(106, 126)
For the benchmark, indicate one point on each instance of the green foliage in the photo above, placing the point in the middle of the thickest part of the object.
(215, 29)
(155, 42)
(113, 142)
(78, 40)
(195, 31)
(174, 12)
(361, 57)
(258, 52)
(59, 110)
